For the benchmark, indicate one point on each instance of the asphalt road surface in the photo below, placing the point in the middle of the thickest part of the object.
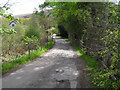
(60, 67)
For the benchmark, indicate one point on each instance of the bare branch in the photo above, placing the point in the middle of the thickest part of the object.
(6, 3)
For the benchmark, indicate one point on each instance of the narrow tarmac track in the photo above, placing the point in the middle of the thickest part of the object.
(60, 67)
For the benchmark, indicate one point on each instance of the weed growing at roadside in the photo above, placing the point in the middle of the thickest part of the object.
(6, 66)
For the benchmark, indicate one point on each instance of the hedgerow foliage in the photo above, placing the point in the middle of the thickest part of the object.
(96, 25)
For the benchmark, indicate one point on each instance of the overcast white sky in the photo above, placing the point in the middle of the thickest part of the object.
(24, 6)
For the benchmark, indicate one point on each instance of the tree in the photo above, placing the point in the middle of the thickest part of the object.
(29, 41)
(9, 16)
(96, 25)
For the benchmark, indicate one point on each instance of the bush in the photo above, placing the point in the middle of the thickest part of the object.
(6, 66)
(12, 42)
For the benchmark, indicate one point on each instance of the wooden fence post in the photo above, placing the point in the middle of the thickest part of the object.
(29, 47)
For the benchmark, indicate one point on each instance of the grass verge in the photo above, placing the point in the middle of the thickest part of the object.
(91, 62)
(99, 77)
(6, 66)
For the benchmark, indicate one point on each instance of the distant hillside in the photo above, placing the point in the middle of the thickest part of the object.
(23, 15)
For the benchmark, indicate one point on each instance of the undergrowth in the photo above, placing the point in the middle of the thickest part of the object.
(6, 66)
